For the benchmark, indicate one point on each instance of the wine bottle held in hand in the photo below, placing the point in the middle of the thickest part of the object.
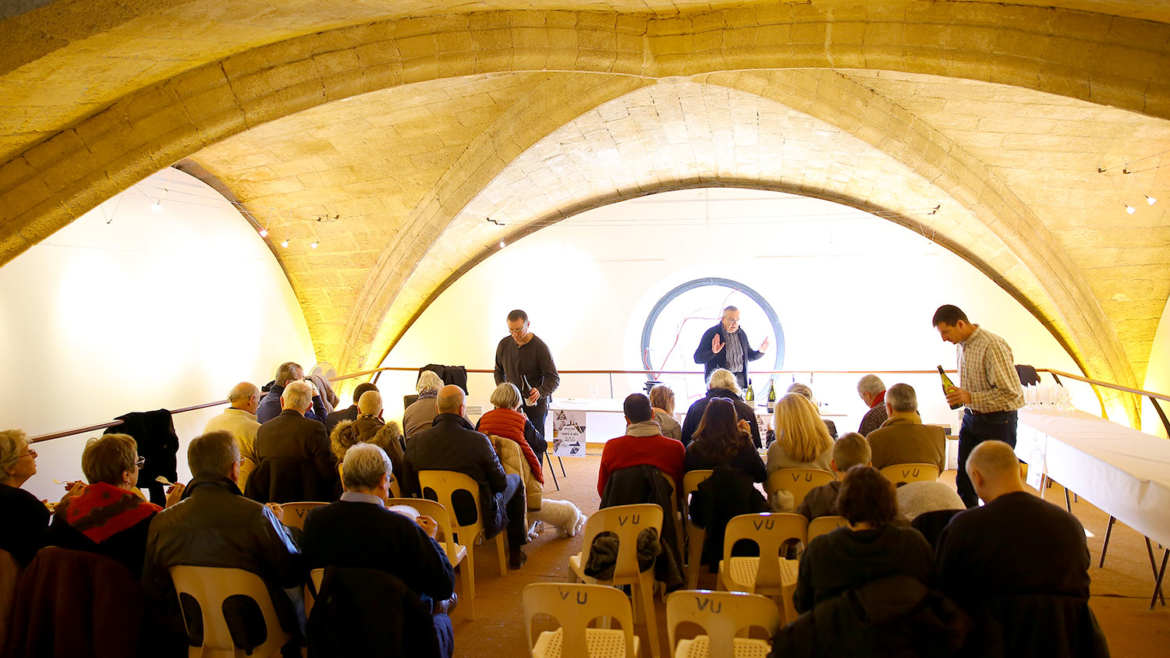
(947, 385)
(525, 391)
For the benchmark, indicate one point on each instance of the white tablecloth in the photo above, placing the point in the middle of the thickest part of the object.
(1122, 471)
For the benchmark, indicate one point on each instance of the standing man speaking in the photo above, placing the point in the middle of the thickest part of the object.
(989, 387)
(524, 360)
(726, 346)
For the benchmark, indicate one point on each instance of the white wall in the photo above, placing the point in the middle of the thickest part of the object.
(1157, 378)
(853, 292)
(151, 310)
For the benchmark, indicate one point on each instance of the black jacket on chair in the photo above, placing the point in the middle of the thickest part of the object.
(300, 466)
(1037, 626)
(645, 484)
(154, 431)
(721, 497)
(370, 613)
(451, 444)
(456, 375)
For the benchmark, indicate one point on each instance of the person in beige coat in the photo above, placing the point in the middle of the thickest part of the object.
(903, 439)
(369, 428)
(239, 419)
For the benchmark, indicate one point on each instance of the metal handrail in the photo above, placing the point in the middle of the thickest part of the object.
(1056, 374)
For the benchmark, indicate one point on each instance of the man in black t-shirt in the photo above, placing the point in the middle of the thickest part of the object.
(524, 360)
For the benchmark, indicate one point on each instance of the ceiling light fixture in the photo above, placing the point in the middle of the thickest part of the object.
(284, 244)
(1151, 200)
(312, 245)
(502, 245)
(1130, 209)
(263, 232)
(157, 207)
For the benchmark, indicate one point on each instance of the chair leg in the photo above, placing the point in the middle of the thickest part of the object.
(695, 557)
(502, 543)
(1157, 577)
(469, 562)
(1105, 546)
(468, 602)
(646, 584)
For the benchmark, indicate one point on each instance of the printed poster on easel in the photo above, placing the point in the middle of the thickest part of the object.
(568, 433)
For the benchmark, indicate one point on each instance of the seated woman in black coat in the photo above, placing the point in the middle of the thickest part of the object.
(107, 517)
(723, 440)
(22, 516)
(869, 548)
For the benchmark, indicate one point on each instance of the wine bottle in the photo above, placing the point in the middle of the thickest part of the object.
(771, 396)
(947, 385)
(525, 391)
(749, 396)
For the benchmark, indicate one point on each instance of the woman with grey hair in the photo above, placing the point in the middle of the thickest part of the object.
(505, 421)
(421, 413)
(23, 517)
(803, 389)
(108, 516)
(722, 384)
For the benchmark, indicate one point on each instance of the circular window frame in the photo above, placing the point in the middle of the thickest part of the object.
(756, 297)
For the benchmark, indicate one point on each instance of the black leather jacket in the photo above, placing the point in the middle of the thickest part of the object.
(215, 526)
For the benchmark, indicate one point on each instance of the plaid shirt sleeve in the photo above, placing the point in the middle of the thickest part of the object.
(989, 375)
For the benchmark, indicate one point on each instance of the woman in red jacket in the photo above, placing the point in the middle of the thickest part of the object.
(506, 422)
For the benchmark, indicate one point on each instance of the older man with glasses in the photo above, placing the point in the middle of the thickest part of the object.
(726, 346)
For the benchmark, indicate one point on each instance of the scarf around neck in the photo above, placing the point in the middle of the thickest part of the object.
(104, 510)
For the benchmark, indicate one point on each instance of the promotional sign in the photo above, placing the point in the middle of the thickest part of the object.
(568, 433)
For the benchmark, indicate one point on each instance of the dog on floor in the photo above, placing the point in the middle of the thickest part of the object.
(561, 514)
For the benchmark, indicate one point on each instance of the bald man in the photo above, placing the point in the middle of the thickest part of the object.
(452, 444)
(1016, 544)
(239, 419)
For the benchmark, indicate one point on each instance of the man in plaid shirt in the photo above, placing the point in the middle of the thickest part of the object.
(989, 388)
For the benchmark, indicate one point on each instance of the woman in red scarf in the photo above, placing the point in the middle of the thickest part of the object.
(506, 422)
(108, 517)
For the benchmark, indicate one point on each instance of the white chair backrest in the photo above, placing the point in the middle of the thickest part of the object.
(445, 484)
(691, 482)
(626, 521)
(722, 615)
(574, 606)
(798, 481)
(439, 514)
(823, 525)
(295, 513)
(770, 532)
(211, 586)
(903, 473)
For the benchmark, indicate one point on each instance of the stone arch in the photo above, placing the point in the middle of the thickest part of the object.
(1097, 57)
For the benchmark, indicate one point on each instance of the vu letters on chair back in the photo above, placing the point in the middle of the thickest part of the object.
(157, 443)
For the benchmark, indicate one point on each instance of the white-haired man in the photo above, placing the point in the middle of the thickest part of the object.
(903, 439)
(721, 384)
(294, 461)
(726, 346)
(359, 532)
(239, 419)
(872, 391)
(421, 413)
(350, 413)
(287, 373)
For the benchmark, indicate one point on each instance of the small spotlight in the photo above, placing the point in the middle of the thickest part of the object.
(263, 232)
(157, 207)
(284, 244)
(312, 245)
(1151, 200)
(502, 245)
(1130, 209)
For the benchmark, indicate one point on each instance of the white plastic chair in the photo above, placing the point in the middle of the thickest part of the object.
(295, 513)
(823, 525)
(721, 615)
(316, 575)
(211, 586)
(574, 606)
(696, 535)
(625, 521)
(455, 553)
(903, 473)
(768, 574)
(797, 481)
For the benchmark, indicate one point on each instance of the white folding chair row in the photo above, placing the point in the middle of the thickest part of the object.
(769, 574)
(722, 615)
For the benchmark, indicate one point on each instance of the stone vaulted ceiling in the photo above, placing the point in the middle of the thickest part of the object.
(411, 122)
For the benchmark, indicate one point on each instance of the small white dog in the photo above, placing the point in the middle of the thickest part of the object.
(562, 514)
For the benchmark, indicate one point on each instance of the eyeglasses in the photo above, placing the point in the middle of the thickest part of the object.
(31, 453)
(140, 462)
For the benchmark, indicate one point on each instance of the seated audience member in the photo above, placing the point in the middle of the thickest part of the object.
(928, 506)
(302, 467)
(421, 413)
(643, 443)
(903, 439)
(270, 406)
(870, 547)
(721, 385)
(369, 428)
(723, 440)
(215, 526)
(239, 419)
(452, 444)
(23, 517)
(848, 451)
(506, 422)
(873, 392)
(985, 552)
(802, 440)
(803, 389)
(359, 532)
(351, 412)
(662, 399)
(107, 517)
